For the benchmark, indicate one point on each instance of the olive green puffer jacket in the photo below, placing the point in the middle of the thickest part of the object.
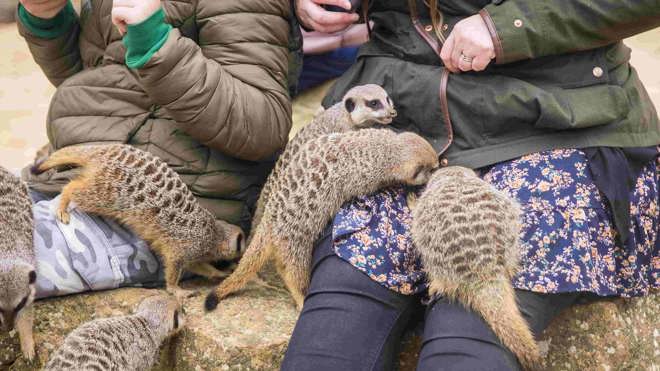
(213, 101)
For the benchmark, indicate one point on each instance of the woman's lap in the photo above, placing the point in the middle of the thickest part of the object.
(351, 322)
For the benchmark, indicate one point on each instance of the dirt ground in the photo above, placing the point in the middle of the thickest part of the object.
(25, 93)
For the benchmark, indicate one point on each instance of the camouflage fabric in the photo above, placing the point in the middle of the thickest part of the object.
(90, 253)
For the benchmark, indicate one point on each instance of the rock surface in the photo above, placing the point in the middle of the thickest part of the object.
(250, 331)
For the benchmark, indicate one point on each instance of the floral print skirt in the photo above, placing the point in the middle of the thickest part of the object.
(568, 239)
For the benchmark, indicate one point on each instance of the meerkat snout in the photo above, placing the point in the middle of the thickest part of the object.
(18, 282)
(419, 160)
(233, 244)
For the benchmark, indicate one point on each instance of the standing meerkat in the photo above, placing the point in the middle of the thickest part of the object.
(319, 178)
(17, 262)
(142, 192)
(128, 343)
(466, 233)
(362, 106)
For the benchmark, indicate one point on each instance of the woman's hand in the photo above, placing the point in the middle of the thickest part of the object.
(127, 12)
(45, 9)
(469, 46)
(313, 16)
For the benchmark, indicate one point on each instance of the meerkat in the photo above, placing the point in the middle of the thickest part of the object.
(127, 343)
(142, 192)
(320, 177)
(361, 107)
(466, 233)
(17, 262)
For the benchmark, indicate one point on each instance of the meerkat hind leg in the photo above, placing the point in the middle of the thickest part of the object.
(207, 270)
(24, 325)
(292, 284)
(173, 270)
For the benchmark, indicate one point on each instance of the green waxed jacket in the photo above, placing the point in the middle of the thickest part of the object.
(561, 78)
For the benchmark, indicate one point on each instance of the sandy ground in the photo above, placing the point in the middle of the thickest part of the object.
(25, 93)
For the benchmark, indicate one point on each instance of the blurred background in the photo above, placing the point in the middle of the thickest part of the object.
(25, 93)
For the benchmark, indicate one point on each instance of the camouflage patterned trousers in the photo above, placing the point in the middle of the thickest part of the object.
(90, 253)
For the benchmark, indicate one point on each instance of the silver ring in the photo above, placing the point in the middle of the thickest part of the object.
(466, 59)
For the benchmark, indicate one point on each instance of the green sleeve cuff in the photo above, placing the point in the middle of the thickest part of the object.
(48, 28)
(144, 39)
(511, 28)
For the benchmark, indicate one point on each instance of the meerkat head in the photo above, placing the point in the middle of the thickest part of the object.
(164, 313)
(232, 241)
(368, 105)
(451, 172)
(17, 290)
(417, 159)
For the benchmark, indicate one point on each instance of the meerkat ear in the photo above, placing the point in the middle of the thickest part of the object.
(32, 277)
(349, 104)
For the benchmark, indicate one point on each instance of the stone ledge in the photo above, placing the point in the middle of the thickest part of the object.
(250, 331)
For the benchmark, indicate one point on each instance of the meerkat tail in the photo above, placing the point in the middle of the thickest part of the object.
(497, 305)
(254, 258)
(79, 156)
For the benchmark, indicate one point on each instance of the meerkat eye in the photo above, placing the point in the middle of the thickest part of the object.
(21, 305)
(374, 104)
(32, 277)
(176, 319)
(389, 101)
(349, 104)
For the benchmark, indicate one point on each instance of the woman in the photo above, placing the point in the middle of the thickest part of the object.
(202, 84)
(539, 97)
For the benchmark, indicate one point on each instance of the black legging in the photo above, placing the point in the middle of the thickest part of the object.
(350, 322)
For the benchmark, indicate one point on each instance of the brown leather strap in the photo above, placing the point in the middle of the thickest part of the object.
(499, 51)
(444, 107)
(414, 17)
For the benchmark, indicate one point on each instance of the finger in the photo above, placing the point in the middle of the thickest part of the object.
(456, 55)
(340, 3)
(445, 53)
(123, 3)
(122, 15)
(480, 62)
(329, 29)
(122, 28)
(464, 65)
(326, 18)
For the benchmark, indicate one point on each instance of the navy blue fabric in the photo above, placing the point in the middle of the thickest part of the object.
(319, 68)
(615, 172)
(350, 322)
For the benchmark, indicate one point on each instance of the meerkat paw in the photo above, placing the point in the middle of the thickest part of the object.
(27, 348)
(182, 294)
(63, 216)
(260, 282)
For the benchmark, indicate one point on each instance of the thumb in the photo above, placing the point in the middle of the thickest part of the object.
(121, 16)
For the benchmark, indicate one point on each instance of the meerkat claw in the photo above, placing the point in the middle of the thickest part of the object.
(63, 216)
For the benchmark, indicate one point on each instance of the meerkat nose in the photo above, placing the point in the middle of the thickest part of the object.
(237, 242)
(393, 112)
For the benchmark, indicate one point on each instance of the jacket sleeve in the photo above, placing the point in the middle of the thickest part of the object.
(523, 29)
(53, 46)
(229, 91)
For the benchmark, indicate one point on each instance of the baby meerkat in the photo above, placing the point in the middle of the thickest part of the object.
(466, 233)
(320, 177)
(362, 106)
(142, 192)
(120, 343)
(17, 262)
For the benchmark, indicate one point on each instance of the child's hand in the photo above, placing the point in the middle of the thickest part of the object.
(127, 12)
(45, 9)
